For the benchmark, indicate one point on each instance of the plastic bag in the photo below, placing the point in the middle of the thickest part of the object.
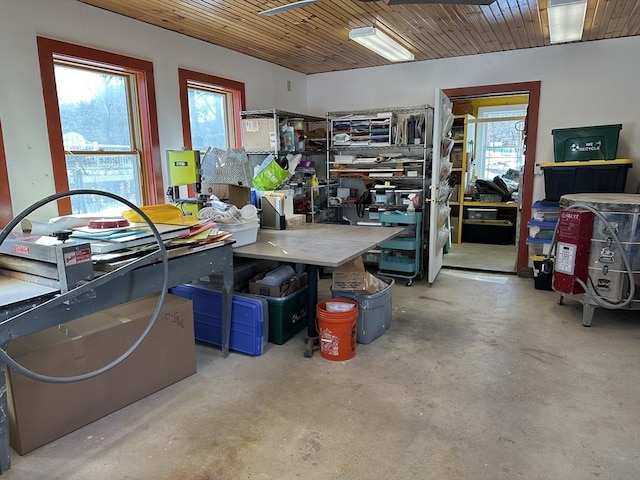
(226, 166)
(270, 175)
(339, 306)
(443, 214)
(442, 237)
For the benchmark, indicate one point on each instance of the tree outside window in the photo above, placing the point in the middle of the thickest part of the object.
(500, 141)
(102, 124)
(98, 131)
(210, 108)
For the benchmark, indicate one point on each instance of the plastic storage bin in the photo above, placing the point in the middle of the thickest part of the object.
(586, 143)
(375, 311)
(287, 315)
(598, 176)
(486, 197)
(538, 246)
(499, 232)
(482, 213)
(541, 229)
(244, 233)
(545, 211)
(249, 318)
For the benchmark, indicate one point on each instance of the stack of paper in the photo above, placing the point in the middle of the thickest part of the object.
(110, 240)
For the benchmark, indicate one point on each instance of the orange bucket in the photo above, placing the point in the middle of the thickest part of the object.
(337, 330)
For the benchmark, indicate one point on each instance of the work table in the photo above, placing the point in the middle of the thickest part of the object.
(316, 245)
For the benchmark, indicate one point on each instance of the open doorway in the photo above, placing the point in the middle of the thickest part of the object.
(498, 144)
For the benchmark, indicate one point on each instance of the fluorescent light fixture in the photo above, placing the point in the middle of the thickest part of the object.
(566, 20)
(380, 43)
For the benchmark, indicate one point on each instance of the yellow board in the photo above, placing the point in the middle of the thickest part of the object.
(183, 167)
(588, 163)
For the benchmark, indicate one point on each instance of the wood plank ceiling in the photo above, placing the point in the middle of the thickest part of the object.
(315, 38)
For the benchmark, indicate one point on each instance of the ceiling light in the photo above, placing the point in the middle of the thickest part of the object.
(566, 20)
(380, 43)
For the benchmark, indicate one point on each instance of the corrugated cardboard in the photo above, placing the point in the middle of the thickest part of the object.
(353, 277)
(41, 412)
(259, 134)
(237, 195)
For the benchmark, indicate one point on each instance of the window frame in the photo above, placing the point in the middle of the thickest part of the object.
(6, 209)
(151, 161)
(232, 87)
(532, 89)
(237, 91)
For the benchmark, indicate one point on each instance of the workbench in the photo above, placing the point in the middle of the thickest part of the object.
(316, 245)
(186, 266)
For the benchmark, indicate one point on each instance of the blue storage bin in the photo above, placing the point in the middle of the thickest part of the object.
(541, 229)
(249, 318)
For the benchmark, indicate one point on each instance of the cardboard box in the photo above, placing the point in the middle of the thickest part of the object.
(296, 220)
(41, 412)
(237, 195)
(259, 134)
(353, 277)
(296, 283)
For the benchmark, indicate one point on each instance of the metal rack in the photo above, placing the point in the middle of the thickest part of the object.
(275, 132)
(381, 174)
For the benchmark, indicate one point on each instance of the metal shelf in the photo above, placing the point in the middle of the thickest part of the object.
(384, 146)
(279, 113)
(373, 112)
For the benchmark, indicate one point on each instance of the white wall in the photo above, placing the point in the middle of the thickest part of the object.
(584, 84)
(21, 103)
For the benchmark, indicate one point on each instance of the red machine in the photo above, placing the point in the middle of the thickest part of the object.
(575, 229)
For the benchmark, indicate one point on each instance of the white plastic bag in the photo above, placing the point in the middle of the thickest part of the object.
(226, 166)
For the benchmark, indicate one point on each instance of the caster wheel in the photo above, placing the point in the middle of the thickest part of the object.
(409, 283)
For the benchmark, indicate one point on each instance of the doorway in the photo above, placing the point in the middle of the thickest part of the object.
(488, 152)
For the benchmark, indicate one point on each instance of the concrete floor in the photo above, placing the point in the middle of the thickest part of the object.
(482, 256)
(479, 377)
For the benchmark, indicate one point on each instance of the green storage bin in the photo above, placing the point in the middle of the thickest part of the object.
(287, 315)
(586, 143)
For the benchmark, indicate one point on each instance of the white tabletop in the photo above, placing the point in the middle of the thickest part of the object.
(326, 245)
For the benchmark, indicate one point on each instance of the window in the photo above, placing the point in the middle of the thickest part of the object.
(100, 135)
(208, 118)
(499, 139)
(210, 108)
(102, 126)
